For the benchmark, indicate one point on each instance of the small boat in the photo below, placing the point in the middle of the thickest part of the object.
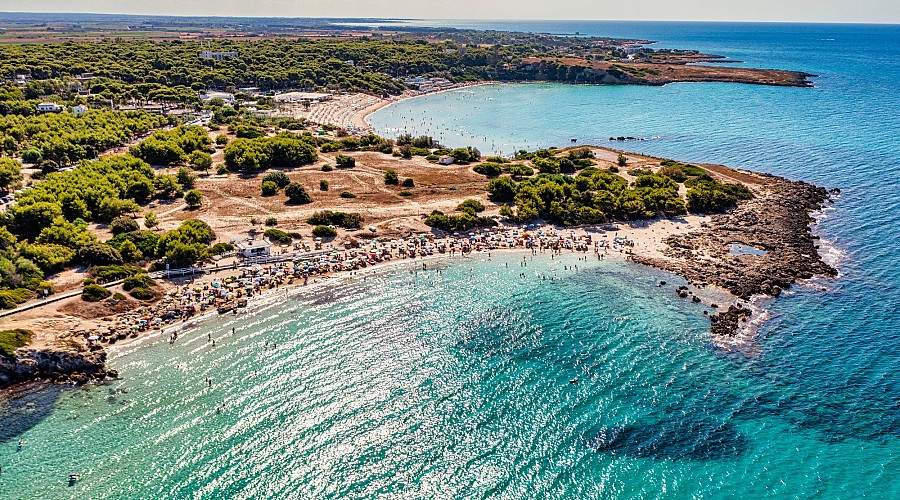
(73, 478)
(574, 380)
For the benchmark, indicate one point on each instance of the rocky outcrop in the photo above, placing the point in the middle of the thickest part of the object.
(73, 366)
(777, 221)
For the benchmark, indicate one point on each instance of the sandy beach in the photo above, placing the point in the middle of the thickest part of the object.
(350, 111)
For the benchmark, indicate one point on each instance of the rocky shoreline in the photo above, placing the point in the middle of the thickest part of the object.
(775, 226)
(75, 366)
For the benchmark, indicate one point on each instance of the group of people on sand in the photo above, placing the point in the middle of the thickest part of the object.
(226, 294)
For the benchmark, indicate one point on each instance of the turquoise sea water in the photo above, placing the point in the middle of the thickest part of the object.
(455, 384)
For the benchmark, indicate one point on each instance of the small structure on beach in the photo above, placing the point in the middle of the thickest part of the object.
(253, 248)
(446, 160)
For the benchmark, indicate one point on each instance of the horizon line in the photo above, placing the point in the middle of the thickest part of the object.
(832, 23)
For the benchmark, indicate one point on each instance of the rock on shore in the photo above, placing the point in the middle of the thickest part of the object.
(61, 366)
(777, 221)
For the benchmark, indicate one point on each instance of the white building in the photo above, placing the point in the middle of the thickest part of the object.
(302, 97)
(252, 248)
(49, 107)
(79, 110)
(225, 96)
(218, 56)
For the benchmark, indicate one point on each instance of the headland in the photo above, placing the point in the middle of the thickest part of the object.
(772, 227)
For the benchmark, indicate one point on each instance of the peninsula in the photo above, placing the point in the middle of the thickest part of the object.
(236, 153)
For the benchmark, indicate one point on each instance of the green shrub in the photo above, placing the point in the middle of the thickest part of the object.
(296, 193)
(327, 168)
(99, 254)
(278, 236)
(342, 219)
(347, 194)
(220, 248)
(94, 293)
(123, 224)
(405, 193)
(269, 188)
(471, 206)
(488, 169)
(502, 189)
(142, 280)
(408, 183)
(118, 296)
(112, 273)
(323, 185)
(518, 170)
(462, 222)
(344, 161)
(10, 340)
(142, 293)
(279, 178)
(391, 178)
(10, 298)
(271, 221)
(324, 232)
(193, 198)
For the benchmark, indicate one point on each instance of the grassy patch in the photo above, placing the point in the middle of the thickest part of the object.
(10, 340)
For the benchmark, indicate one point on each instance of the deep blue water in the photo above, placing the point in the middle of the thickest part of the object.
(455, 385)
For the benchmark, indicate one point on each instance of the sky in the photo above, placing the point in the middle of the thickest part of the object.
(837, 11)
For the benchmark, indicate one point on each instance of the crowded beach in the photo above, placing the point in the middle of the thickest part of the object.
(227, 291)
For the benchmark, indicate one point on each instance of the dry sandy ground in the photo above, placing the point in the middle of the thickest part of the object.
(231, 201)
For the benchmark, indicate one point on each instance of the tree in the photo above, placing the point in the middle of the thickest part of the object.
(150, 219)
(9, 172)
(391, 178)
(123, 224)
(408, 182)
(621, 160)
(296, 193)
(99, 254)
(29, 220)
(157, 151)
(323, 185)
(166, 185)
(193, 198)
(200, 160)
(465, 155)
(186, 178)
(344, 161)
(32, 155)
(130, 251)
(502, 189)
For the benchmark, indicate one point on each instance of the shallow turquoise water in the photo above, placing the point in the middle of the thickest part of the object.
(456, 384)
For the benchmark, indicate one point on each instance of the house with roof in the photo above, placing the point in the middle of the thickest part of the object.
(252, 248)
(49, 107)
